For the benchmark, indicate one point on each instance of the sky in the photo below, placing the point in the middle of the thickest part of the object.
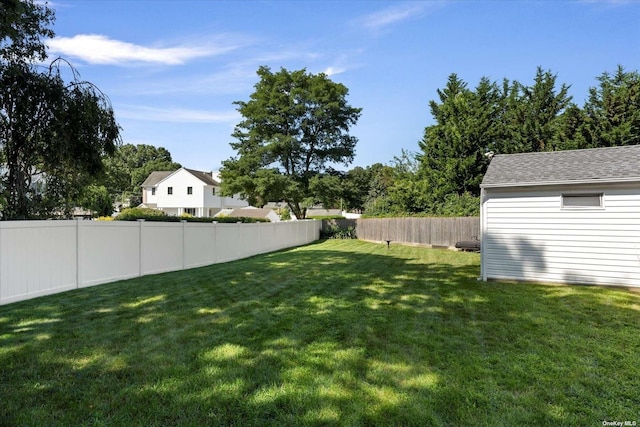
(173, 68)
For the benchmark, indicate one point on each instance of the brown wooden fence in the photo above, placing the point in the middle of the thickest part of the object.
(423, 231)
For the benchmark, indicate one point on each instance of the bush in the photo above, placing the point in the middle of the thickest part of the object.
(335, 232)
(133, 214)
(148, 214)
(320, 217)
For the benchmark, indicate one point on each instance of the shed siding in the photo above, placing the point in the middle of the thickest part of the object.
(528, 236)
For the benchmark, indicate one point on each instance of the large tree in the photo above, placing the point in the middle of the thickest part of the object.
(130, 165)
(612, 112)
(295, 127)
(467, 126)
(53, 134)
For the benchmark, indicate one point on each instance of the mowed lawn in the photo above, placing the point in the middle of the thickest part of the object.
(333, 333)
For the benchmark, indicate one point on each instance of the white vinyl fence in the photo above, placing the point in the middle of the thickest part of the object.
(46, 257)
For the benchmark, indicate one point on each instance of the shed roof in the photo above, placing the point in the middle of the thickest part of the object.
(596, 165)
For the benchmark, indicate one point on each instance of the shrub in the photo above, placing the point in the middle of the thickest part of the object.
(320, 217)
(104, 218)
(133, 214)
(335, 232)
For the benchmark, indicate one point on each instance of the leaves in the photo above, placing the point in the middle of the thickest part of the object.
(295, 127)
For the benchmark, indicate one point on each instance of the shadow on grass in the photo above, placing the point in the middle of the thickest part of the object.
(331, 333)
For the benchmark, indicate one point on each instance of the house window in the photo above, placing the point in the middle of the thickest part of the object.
(169, 190)
(582, 201)
(213, 191)
(153, 191)
(189, 190)
(190, 211)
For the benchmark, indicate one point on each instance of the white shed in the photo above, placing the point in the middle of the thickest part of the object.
(563, 216)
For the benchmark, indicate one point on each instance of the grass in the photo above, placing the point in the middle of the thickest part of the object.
(333, 333)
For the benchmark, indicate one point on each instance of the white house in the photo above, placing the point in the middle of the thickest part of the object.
(564, 217)
(187, 191)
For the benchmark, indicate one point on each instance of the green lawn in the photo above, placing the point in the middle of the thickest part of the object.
(337, 332)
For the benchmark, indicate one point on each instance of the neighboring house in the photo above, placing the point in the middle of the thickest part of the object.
(564, 216)
(186, 191)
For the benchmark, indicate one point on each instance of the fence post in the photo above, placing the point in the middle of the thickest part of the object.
(140, 245)
(184, 244)
(78, 253)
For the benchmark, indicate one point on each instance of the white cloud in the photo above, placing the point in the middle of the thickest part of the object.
(99, 49)
(175, 115)
(391, 15)
(332, 71)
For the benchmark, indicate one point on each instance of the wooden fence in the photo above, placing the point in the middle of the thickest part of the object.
(440, 232)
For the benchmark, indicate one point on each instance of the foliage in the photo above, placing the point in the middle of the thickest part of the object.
(285, 214)
(612, 112)
(341, 332)
(148, 214)
(53, 134)
(97, 199)
(334, 231)
(24, 24)
(128, 167)
(323, 217)
(294, 127)
(133, 214)
(457, 205)
(104, 218)
(52, 138)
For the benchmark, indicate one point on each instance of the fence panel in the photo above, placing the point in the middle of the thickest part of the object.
(106, 252)
(35, 259)
(422, 231)
(200, 247)
(45, 257)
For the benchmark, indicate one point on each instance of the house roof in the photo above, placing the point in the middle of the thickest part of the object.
(203, 176)
(250, 213)
(596, 165)
(155, 177)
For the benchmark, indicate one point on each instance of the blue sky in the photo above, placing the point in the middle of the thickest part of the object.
(173, 68)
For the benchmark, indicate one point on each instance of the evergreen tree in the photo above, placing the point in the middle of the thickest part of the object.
(612, 112)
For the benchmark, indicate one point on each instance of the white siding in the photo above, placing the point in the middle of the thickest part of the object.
(179, 182)
(201, 198)
(528, 236)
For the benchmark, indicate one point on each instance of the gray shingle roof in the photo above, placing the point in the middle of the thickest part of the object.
(203, 176)
(597, 165)
(155, 177)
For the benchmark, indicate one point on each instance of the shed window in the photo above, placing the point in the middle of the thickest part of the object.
(582, 200)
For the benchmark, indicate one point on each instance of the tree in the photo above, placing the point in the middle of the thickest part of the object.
(294, 127)
(23, 26)
(128, 167)
(612, 112)
(533, 113)
(53, 134)
(467, 125)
